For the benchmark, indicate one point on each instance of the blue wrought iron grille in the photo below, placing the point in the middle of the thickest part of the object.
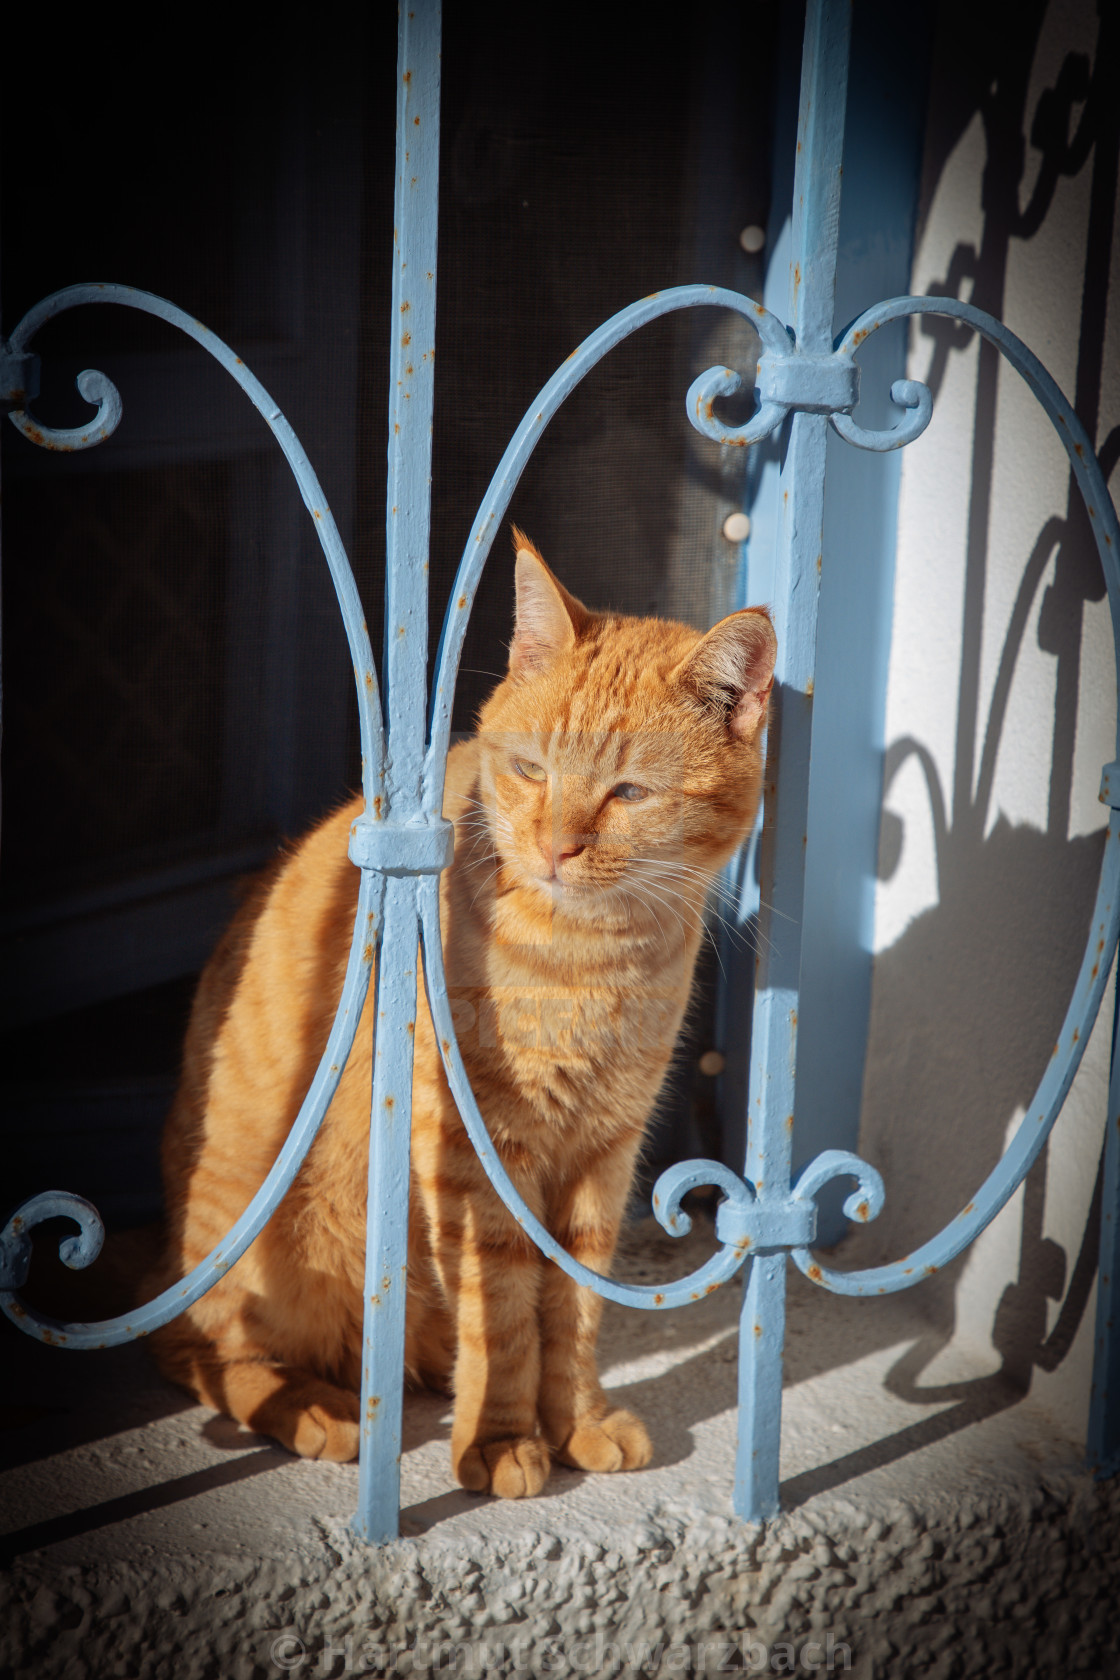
(805, 383)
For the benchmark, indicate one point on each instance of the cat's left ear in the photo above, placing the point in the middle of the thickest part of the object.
(731, 669)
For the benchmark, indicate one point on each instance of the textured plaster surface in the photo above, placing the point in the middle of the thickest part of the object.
(950, 1535)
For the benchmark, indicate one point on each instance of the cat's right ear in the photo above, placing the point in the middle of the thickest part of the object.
(548, 620)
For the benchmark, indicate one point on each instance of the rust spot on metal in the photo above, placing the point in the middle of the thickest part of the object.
(369, 679)
(863, 1211)
(17, 1224)
(17, 1310)
(858, 338)
(694, 1296)
(416, 122)
(1092, 511)
(406, 338)
(710, 1288)
(656, 1200)
(1096, 971)
(377, 806)
(315, 514)
(412, 1026)
(970, 1207)
(400, 629)
(375, 1300)
(815, 1273)
(789, 1122)
(462, 602)
(658, 1299)
(810, 685)
(372, 1403)
(758, 1330)
(1079, 451)
(390, 1102)
(1076, 1035)
(367, 954)
(404, 307)
(445, 1046)
(407, 77)
(929, 1271)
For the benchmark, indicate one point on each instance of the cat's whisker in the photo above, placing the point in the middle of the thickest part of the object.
(701, 927)
(717, 890)
(666, 904)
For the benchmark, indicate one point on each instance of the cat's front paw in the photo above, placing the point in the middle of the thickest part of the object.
(618, 1441)
(511, 1469)
(319, 1434)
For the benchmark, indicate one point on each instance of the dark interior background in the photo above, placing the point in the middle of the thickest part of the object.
(176, 693)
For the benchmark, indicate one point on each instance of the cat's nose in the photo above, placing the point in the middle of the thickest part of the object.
(558, 851)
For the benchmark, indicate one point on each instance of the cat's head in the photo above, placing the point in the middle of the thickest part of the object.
(621, 758)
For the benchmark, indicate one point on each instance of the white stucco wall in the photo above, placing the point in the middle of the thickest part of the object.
(974, 962)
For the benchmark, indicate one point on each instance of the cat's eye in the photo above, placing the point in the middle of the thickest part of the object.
(630, 791)
(531, 772)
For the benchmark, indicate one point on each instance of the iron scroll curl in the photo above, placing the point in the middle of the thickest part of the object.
(15, 1236)
(789, 381)
(1104, 929)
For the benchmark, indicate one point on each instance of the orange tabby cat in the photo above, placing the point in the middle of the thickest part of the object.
(615, 769)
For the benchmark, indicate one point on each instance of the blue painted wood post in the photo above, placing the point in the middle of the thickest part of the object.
(812, 277)
(405, 669)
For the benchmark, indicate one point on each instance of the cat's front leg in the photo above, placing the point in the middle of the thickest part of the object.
(491, 1274)
(495, 1447)
(578, 1420)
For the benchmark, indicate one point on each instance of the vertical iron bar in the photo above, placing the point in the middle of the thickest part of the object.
(1103, 1443)
(411, 389)
(408, 518)
(379, 1468)
(816, 216)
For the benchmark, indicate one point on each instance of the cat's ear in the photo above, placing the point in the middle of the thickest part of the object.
(548, 619)
(731, 669)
